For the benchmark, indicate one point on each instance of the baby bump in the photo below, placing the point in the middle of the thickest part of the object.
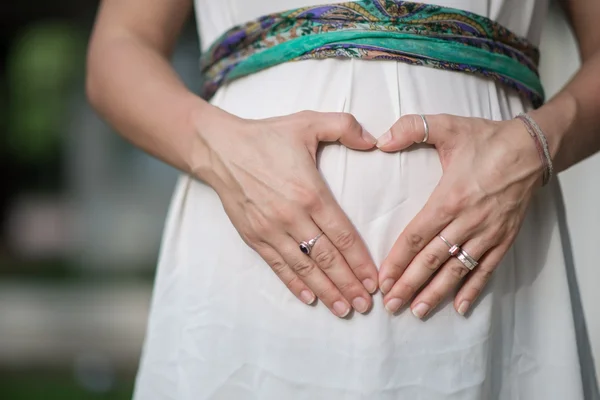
(226, 297)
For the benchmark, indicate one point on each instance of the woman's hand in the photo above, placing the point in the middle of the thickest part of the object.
(265, 173)
(491, 170)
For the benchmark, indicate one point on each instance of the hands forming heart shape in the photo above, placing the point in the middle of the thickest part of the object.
(265, 173)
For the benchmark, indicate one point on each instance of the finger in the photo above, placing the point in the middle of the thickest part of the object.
(285, 273)
(410, 129)
(329, 259)
(308, 271)
(417, 234)
(446, 280)
(342, 234)
(478, 279)
(342, 127)
(421, 268)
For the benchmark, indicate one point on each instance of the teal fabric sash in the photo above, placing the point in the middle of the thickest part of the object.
(413, 33)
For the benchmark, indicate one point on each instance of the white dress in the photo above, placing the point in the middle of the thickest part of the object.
(222, 325)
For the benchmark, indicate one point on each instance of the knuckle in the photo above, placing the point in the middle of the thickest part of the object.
(349, 287)
(278, 266)
(484, 276)
(325, 293)
(282, 214)
(262, 229)
(305, 196)
(346, 122)
(303, 268)
(477, 220)
(405, 287)
(291, 283)
(252, 240)
(472, 293)
(436, 296)
(458, 271)
(455, 202)
(313, 202)
(414, 241)
(431, 261)
(306, 116)
(260, 225)
(325, 259)
(448, 121)
(363, 269)
(344, 240)
(412, 123)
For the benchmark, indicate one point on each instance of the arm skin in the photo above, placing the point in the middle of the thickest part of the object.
(131, 83)
(571, 120)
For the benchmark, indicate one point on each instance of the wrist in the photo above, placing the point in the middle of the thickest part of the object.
(556, 119)
(205, 121)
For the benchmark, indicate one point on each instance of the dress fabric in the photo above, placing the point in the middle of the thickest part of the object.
(222, 325)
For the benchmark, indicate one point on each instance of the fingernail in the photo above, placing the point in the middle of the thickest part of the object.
(420, 310)
(367, 137)
(384, 139)
(361, 305)
(341, 309)
(387, 285)
(370, 285)
(307, 297)
(464, 307)
(393, 305)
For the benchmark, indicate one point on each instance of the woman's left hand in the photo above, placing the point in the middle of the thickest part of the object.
(490, 172)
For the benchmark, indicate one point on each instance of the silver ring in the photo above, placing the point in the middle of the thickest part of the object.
(306, 247)
(454, 249)
(468, 261)
(426, 137)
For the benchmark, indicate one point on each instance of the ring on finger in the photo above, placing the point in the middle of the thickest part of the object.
(454, 248)
(469, 262)
(306, 247)
(426, 125)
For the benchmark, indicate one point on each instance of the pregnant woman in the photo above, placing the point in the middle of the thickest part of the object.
(368, 208)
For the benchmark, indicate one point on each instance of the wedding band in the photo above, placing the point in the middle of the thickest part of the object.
(306, 247)
(426, 137)
(454, 249)
(468, 261)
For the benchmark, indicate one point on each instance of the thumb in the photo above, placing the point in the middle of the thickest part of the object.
(408, 130)
(342, 127)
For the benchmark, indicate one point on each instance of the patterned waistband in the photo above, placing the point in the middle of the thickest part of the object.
(407, 32)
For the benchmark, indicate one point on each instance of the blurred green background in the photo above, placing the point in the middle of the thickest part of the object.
(81, 214)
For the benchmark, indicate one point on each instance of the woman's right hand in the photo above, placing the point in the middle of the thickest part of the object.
(265, 173)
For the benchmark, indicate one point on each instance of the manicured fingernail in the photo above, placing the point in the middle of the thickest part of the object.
(341, 309)
(367, 137)
(420, 310)
(464, 307)
(307, 297)
(361, 305)
(384, 139)
(387, 285)
(370, 285)
(393, 305)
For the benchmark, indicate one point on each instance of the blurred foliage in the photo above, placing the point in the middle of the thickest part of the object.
(43, 67)
(30, 387)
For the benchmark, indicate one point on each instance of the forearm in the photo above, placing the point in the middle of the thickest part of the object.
(134, 87)
(571, 120)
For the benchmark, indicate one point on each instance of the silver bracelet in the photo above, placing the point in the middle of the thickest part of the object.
(544, 142)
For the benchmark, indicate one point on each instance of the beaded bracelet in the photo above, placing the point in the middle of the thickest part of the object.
(541, 145)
